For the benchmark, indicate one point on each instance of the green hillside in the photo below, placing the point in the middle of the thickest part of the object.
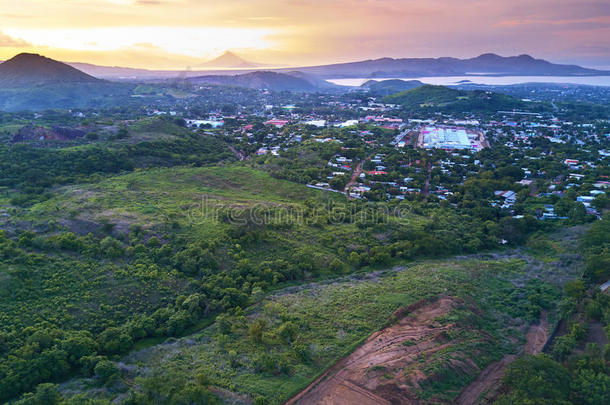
(304, 330)
(125, 258)
(448, 99)
(387, 87)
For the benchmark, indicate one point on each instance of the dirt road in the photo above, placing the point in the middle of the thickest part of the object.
(489, 379)
(237, 153)
(353, 179)
(426, 190)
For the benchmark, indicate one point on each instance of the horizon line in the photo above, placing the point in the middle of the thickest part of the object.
(285, 66)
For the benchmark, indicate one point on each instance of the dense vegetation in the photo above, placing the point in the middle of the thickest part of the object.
(576, 371)
(387, 87)
(33, 170)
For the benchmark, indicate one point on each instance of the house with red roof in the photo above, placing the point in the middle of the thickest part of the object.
(276, 123)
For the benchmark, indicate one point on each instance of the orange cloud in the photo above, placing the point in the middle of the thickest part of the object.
(299, 32)
(7, 41)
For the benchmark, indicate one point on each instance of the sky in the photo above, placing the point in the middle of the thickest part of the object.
(176, 34)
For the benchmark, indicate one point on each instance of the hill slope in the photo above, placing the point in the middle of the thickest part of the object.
(448, 99)
(26, 69)
(66, 95)
(34, 82)
(259, 80)
(387, 87)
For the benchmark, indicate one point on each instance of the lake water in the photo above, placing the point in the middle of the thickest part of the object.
(490, 80)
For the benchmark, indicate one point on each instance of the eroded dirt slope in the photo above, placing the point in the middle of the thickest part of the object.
(384, 369)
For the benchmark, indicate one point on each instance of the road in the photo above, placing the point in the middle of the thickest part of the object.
(426, 190)
(237, 153)
(352, 181)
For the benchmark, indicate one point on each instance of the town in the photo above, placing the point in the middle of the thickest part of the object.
(510, 162)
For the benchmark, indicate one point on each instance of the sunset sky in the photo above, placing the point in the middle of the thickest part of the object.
(180, 33)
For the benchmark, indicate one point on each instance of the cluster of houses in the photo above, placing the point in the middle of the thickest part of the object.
(462, 136)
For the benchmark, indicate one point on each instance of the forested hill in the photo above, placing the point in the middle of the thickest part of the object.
(31, 171)
(448, 99)
(388, 87)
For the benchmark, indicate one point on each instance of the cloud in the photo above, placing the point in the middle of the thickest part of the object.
(603, 21)
(7, 41)
(316, 31)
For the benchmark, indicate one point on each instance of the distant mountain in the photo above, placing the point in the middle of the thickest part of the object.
(136, 74)
(489, 63)
(440, 98)
(387, 87)
(27, 70)
(260, 80)
(112, 72)
(34, 82)
(228, 60)
(315, 80)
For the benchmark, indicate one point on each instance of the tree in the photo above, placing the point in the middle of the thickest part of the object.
(538, 379)
(563, 207)
(114, 341)
(287, 331)
(601, 202)
(256, 329)
(335, 265)
(106, 371)
(563, 346)
(579, 213)
(575, 289)
(111, 247)
(78, 346)
(46, 394)
(354, 259)
(122, 134)
(338, 182)
(591, 388)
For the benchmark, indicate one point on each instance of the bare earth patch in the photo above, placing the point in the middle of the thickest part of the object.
(385, 370)
(375, 372)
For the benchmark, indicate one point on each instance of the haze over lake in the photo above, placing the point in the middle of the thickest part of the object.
(489, 80)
